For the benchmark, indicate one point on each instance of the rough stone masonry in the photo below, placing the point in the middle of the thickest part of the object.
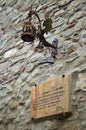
(19, 69)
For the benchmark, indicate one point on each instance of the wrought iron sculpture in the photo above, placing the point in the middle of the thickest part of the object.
(29, 30)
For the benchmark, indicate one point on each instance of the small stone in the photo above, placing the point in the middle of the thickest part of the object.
(75, 103)
(2, 127)
(29, 79)
(19, 43)
(17, 120)
(67, 32)
(83, 36)
(81, 99)
(10, 53)
(11, 117)
(71, 126)
(30, 67)
(80, 24)
(59, 12)
(22, 51)
(11, 127)
(59, 23)
(13, 104)
(83, 88)
(81, 83)
(39, 8)
(77, 89)
(24, 76)
(35, 73)
(18, 82)
(74, 116)
(76, 16)
(0, 8)
(82, 68)
(19, 3)
(9, 9)
(74, 98)
(77, 64)
(27, 103)
(63, 2)
(1, 119)
(72, 57)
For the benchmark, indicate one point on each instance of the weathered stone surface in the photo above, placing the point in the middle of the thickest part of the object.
(35, 73)
(11, 117)
(80, 61)
(59, 12)
(72, 57)
(24, 76)
(59, 22)
(83, 36)
(77, 16)
(19, 71)
(63, 2)
(74, 116)
(27, 104)
(11, 127)
(82, 68)
(13, 104)
(71, 127)
(23, 51)
(20, 2)
(18, 81)
(29, 79)
(81, 84)
(30, 67)
(68, 32)
(2, 127)
(80, 25)
(75, 4)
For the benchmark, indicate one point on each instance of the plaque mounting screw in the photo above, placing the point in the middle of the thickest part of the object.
(35, 85)
(63, 76)
(32, 118)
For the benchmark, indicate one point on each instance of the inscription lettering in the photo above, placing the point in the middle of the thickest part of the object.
(50, 98)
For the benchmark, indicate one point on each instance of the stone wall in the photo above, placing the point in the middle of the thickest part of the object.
(20, 69)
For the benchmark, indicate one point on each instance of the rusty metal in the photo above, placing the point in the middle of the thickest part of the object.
(29, 34)
(29, 30)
